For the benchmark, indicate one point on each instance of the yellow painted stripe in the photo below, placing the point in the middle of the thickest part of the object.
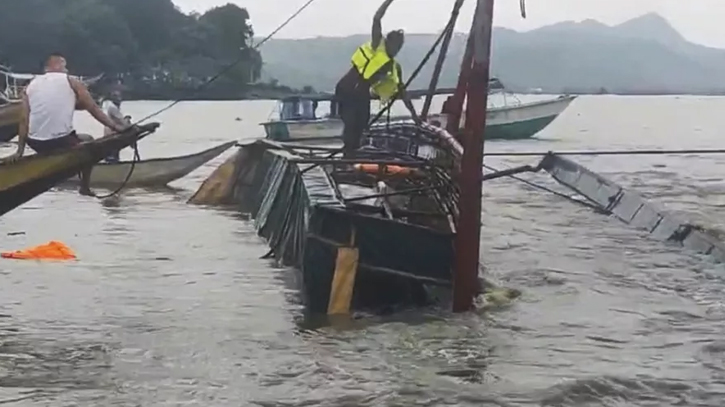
(343, 282)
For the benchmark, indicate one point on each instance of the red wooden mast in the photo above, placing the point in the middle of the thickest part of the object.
(473, 84)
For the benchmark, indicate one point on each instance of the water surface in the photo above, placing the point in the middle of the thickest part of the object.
(170, 304)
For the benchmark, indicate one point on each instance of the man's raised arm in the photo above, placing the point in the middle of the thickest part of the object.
(377, 23)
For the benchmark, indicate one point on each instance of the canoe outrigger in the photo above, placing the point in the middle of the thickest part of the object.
(32, 175)
(155, 172)
(632, 209)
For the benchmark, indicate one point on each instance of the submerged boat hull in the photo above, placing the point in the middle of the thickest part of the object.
(151, 173)
(504, 123)
(311, 223)
(32, 175)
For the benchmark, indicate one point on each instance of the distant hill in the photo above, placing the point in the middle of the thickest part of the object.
(643, 55)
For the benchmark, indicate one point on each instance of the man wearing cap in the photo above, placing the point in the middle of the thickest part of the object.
(374, 70)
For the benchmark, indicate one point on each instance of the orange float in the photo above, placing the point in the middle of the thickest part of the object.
(52, 250)
(386, 169)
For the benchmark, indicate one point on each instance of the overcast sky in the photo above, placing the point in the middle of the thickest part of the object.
(701, 21)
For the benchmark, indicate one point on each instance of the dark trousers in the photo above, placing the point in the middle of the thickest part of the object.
(355, 114)
(60, 143)
(63, 143)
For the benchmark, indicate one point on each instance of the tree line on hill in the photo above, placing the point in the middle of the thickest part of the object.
(157, 51)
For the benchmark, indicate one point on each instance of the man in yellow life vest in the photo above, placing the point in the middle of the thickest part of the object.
(375, 70)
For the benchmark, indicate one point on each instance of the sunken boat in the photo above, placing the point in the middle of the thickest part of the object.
(370, 233)
(32, 175)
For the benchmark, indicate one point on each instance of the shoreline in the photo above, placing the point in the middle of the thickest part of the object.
(158, 98)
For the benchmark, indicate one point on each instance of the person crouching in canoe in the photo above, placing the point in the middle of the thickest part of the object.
(375, 70)
(49, 103)
(112, 107)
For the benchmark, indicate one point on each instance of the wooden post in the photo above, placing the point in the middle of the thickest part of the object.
(468, 233)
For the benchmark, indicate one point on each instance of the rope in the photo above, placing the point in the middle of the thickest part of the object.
(199, 88)
(546, 189)
(605, 152)
(136, 158)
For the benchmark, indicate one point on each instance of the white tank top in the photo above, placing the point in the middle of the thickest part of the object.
(52, 104)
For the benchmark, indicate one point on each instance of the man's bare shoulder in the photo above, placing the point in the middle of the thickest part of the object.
(76, 83)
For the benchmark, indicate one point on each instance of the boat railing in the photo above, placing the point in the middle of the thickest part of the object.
(15, 83)
(408, 139)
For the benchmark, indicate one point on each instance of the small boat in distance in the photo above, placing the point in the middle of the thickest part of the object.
(297, 119)
(32, 175)
(155, 172)
(296, 116)
(516, 121)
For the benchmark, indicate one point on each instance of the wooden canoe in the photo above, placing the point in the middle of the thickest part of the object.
(32, 175)
(151, 173)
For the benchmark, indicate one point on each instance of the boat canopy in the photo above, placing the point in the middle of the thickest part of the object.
(19, 76)
(298, 108)
(30, 76)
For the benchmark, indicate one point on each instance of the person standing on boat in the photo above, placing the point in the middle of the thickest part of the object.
(49, 103)
(112, 107)
(375, 70)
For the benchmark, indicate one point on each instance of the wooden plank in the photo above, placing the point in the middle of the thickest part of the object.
(343, 281)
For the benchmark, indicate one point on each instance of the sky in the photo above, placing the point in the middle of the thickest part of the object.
(700, 21)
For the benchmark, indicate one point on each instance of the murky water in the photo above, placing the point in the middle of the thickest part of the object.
(169, 304)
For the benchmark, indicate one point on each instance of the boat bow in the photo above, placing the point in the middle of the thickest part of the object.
(30, 176)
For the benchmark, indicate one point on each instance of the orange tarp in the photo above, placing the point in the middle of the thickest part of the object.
(50, 251)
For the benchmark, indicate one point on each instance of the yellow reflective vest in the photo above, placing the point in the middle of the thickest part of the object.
(369, 61)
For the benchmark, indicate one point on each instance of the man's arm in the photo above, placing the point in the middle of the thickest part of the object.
(377, 23)
(24, 125)
(86, 102)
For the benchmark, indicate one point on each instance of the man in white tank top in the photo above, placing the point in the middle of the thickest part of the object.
(49, 102)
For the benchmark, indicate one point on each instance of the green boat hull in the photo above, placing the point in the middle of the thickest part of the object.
(518, 130)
